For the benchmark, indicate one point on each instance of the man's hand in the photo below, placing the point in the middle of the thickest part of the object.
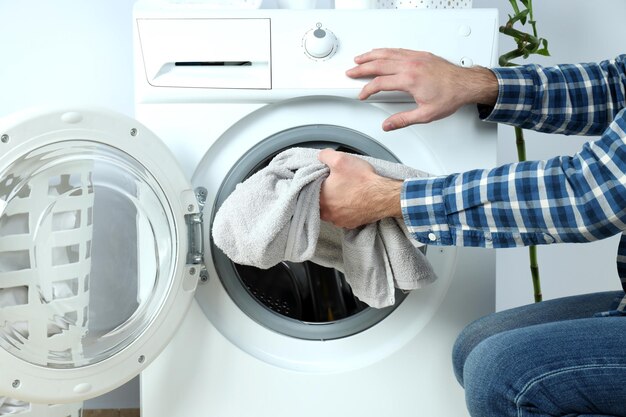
(438, 87)
(353, 194)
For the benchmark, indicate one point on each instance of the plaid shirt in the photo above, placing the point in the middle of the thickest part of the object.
(578, 198)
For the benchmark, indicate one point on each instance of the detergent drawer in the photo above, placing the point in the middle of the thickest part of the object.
(206, 53)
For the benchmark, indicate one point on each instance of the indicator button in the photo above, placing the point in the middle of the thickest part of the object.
(320, 43)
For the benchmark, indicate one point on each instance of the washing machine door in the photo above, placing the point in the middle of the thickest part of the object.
(95, 267)
(303, 317)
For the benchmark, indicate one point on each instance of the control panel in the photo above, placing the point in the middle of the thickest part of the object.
(276, 54)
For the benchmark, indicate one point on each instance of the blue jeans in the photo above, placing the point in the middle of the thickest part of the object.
(547, 359)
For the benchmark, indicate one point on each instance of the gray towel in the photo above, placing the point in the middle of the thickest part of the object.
(274, 216)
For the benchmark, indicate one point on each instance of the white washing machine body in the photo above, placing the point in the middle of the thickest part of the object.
(226, 90)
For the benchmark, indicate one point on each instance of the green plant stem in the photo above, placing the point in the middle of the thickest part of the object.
(520, 143)
(526, 44)
(520, 36)
(518, 17)
(534, 271)
(505, 59)
(532, 250)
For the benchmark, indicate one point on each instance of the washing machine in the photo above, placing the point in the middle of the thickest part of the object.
(229, 90)
(107, 266)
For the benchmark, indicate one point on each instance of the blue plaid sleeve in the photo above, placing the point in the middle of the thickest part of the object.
(565, 199)
(579, 99)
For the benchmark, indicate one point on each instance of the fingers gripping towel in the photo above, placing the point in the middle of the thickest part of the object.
(274, 216)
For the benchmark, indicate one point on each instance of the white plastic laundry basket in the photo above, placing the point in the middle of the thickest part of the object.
(62, 205)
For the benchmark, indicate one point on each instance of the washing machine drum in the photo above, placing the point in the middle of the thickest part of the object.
(96, 271)
(299, 300)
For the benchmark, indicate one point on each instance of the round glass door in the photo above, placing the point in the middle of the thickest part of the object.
(94, 271)
(86, 248)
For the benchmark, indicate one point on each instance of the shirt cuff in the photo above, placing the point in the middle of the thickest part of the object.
(516, 96)
(424, 212)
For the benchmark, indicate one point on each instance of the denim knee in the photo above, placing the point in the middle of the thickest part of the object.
(486, 378)
(467, 340)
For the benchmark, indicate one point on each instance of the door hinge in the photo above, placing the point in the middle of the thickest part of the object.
(195, 228)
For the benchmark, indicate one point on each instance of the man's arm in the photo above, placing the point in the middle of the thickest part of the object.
(579, 99)
(580, 198)
(565, 199)
(353, 194)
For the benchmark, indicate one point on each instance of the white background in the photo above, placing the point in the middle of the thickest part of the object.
(80, 52)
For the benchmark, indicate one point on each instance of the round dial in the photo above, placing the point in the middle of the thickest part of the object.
(320, 43)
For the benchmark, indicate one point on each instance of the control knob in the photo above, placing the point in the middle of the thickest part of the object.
(320, 43)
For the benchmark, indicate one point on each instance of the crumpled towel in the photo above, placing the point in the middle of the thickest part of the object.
(274, 216)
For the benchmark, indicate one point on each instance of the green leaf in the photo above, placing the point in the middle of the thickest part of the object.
(543, 51)
(522, 16)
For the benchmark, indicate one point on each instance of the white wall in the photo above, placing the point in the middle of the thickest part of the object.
(65, 52)
(73, 51)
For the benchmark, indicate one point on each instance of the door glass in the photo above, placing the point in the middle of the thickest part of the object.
(86, 252)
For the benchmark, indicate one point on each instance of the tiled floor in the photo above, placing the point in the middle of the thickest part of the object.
(111, 413)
